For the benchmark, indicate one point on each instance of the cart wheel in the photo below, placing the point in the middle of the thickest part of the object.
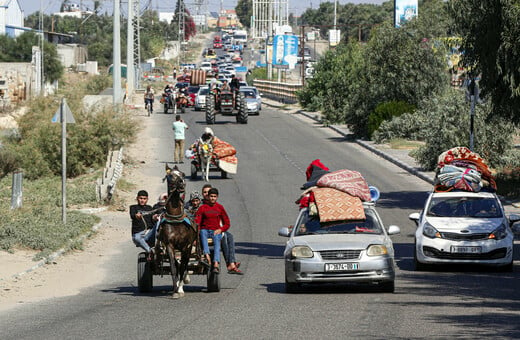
(193, 169)
(213, 281)
(144, 274)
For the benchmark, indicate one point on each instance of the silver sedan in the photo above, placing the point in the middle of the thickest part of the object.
(339, 252)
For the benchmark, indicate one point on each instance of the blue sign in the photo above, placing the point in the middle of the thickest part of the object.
(285, 49)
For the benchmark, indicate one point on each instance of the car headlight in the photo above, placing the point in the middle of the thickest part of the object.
(302, 252)
(430, 231)
(499, 233)
(376, 250)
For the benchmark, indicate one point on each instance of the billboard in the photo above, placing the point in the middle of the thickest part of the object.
(404, 10)
(285, 50)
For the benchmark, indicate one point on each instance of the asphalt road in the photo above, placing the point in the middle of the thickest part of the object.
(273, 151)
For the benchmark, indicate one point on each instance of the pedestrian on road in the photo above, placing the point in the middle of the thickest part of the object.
(179, 127)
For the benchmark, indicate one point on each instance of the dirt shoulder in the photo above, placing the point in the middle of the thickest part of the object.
(72, 271)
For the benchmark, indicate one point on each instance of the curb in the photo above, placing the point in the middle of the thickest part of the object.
(60, 251)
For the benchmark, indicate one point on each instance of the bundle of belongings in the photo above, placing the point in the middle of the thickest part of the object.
(461, 169)
(334, 195)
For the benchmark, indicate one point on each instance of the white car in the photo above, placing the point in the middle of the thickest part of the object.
(206, 66)
(257, 94)
(253, 99)
(464, 228)
(200, 98)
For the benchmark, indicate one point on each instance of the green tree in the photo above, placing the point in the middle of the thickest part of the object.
(244, 10)
(490, 30)
(20, 50)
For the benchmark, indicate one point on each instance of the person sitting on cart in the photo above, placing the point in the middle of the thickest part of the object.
(225, 86)
(160, 209)
(227, 243)
(193, 204)
(141, 222)
(212, 220)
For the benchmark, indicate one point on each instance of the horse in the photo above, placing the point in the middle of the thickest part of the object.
(174, 234)
(205, 152)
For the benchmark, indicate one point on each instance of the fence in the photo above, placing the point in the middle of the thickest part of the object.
(282, 92)
(113, 170)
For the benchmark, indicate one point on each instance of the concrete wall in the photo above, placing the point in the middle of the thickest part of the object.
(71, 54)
(20, 78)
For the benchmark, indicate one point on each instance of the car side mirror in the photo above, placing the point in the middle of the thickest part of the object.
(285, 231)
(415, 217)
(393, 230)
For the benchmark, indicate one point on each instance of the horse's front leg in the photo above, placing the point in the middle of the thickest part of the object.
(183, 272)
(173, 271)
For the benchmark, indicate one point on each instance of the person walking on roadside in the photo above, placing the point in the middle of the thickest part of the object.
(179, 127)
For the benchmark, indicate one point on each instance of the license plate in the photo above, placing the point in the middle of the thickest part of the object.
(466, 250)
(340, 267)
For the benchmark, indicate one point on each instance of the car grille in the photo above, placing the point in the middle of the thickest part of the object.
(340, 254)
(438, 254)
(464, 237)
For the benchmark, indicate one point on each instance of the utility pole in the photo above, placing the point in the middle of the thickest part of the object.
(42, 42)
(130, 70)
(137, 42)
(116, 68)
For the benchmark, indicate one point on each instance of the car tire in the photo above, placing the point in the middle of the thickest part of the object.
(418, 266)
(508, 268)
(387, 287)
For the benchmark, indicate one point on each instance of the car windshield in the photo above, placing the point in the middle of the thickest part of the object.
(480, 207)
(193, 89)
(203, 91)
(311, 225)
(249, 94)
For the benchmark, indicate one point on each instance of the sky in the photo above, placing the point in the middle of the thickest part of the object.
(296, 7)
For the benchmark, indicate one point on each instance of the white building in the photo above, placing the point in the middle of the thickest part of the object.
(11, 18)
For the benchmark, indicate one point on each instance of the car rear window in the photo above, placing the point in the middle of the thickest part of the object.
(478, 207)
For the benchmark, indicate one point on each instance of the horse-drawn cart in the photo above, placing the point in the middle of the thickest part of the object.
(209, 154)
(160, 266)
(177, 250)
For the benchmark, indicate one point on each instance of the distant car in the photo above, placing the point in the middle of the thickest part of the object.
(253, 106)
(192, 92)
(464, 228)
(206, 66)
(254, 90)
(200, 98)
(339, 252)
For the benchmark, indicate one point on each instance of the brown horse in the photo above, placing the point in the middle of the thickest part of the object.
(174, 233)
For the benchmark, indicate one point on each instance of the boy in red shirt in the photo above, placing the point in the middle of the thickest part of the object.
(212, 220)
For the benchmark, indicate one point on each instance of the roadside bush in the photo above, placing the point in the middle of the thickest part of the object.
(38, 224)
(508, 182)
(443, 122)
(257, 73)
(37, 147)
(387, 111)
